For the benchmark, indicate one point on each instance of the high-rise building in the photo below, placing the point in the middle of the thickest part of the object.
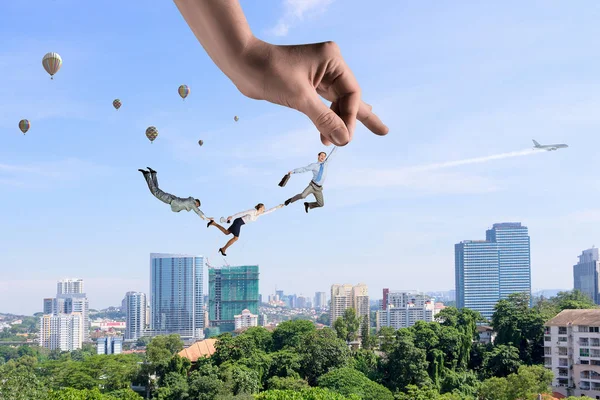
(231, 289)
(586, 274)
(348, 296)
(514, 260)
(135, 311)
(477, 280)
(69, 286)
(63, 331)
(489, 270)
(70, 298)
(320, 300)
(176, 295)
(301, 302)
(109, 345)
(48, 306)
(245, 320)
(341, 299)
(384, 301)
(405, 308)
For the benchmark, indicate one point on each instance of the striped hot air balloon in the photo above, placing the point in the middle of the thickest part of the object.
(117, 104)
(52, 63)
(24, 125)
(183, 91)
(151, 133)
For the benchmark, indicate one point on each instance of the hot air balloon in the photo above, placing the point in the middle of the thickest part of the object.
(200, 142)
(52, 63)
(236, 118)
(117, 104)
(184, 91)
(24, 125)
(151, 133)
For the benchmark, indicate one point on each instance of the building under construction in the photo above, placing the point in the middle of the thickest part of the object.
(231, 290)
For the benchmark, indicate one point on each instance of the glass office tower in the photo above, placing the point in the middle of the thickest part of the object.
(586, 274)
(477, 276)
(514, 261)
(176, 294)
(487, 271)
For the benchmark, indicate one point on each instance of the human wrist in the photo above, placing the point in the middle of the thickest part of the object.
(247, 68)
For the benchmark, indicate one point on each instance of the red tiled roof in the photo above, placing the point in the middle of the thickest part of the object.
(202, 348)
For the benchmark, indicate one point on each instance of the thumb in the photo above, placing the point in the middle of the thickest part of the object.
(329, 124)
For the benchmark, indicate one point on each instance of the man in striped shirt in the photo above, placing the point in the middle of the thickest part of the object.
(315, 187)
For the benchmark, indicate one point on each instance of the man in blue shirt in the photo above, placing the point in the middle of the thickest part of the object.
(315, 187)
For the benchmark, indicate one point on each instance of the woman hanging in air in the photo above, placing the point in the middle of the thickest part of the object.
(240, 219)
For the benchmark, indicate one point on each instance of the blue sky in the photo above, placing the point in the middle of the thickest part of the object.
(453, 81)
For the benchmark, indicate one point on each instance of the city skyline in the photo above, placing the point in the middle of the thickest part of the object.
(450, 89)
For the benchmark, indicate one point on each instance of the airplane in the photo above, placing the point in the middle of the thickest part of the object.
(549, 147)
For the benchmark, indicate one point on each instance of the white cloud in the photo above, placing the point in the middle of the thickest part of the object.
(421, 181)
(295, 11)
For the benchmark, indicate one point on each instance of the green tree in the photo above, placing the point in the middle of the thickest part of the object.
(465, 321)
(324, 319)
(502, 361)
(239, 379)
(386, 338)
(321, 351)
(285, 363)
(79, 394)
(517, 324)
(571, 300)
(204, 382)
(174, 386)
(349, 381)
(367, 362)
(18, 381)
(163, 347)
(290, 334)
(161, 352)
(365, 337)
(406, 364)
(287, 383)
(125, 394)
(463, 382)
(143, 341)
(306, 394)
(414, 392)
(259, 362)
(527, 383)
(347, 325)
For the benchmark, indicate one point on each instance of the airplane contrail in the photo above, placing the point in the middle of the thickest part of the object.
(476, 160)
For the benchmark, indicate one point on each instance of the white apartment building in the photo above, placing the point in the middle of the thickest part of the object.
(70, 299)
(405, 308)
(348, 296)
(245, 320)
(135, 310)
(69, 286)
(62, 331)
(572, 352)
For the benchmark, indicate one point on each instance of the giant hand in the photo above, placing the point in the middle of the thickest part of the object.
(295, 77)
(292, 76)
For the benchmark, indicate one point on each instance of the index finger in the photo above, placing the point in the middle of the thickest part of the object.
(370, 120)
